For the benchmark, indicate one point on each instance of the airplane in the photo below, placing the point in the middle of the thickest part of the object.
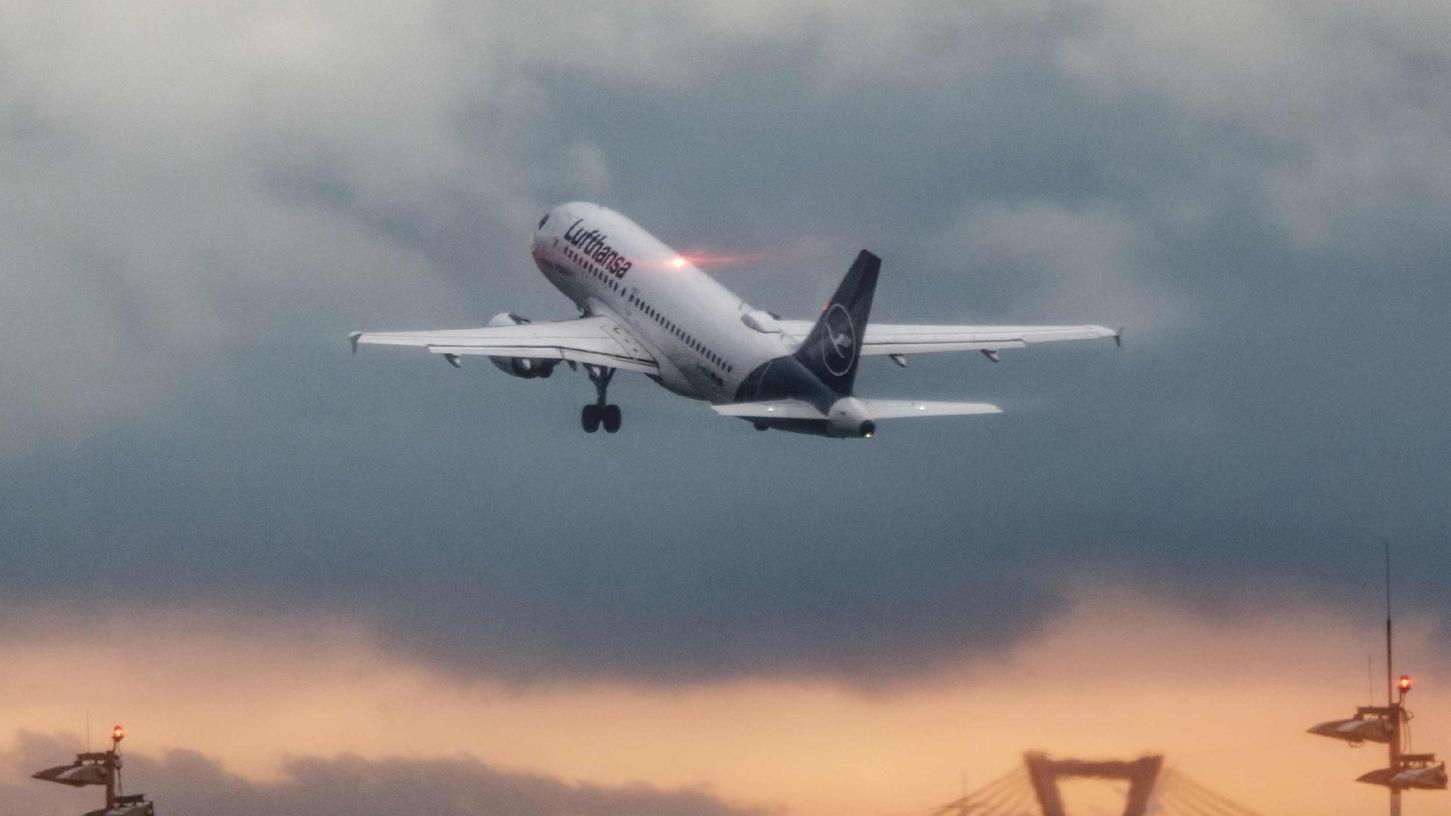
(645, 307)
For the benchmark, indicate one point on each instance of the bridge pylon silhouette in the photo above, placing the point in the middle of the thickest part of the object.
(1149, 789)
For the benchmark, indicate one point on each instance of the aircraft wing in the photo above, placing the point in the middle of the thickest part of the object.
(906, 338)
(595, 341)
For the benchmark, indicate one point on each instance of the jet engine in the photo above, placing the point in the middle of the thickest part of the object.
(526, 367)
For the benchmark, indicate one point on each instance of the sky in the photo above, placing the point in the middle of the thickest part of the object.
(296, 569)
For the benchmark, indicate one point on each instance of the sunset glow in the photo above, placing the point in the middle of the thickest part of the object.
(1205, 695)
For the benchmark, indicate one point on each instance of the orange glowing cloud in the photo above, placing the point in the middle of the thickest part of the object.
(1228, 702)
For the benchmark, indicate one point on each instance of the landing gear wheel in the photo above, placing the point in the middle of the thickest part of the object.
(601, 411)
(761, 426)
(589, 418)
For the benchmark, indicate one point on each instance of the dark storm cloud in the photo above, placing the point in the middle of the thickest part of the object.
(190, 782)
(1270, 228)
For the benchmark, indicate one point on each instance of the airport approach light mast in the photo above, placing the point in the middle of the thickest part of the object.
(101, 768)
(1386, 724)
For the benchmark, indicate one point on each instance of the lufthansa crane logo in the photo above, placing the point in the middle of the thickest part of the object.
(838, 346)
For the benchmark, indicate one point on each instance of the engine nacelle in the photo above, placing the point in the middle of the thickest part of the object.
(848, 417)
(525, 367)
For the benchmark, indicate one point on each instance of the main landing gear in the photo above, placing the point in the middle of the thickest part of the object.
(595, 415)
(601, 413)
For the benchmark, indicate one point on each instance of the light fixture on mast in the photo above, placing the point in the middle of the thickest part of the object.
(1386, 724)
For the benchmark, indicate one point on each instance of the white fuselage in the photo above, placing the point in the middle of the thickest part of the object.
(609, 265)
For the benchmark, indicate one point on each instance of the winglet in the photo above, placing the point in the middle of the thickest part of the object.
(353, 338)
(1118, 337)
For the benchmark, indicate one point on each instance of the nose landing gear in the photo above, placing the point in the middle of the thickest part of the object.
(601, 412)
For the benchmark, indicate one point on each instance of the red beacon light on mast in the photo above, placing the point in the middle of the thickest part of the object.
(1404, 684)
(102, 769)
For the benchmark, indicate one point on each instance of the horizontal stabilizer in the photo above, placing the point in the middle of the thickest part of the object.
(771, 409)
(875, 408)
(894, 409)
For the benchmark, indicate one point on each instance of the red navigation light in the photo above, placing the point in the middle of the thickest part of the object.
(118, 733)
(1404, 684)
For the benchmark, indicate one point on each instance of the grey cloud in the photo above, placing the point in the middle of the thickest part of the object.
(1064, 263)
(190, 427)
(1346, 97)
(184, 781)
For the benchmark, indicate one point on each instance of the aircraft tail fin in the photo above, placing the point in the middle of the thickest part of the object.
(833, 347)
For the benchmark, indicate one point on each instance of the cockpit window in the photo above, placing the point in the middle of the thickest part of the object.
(543, 220)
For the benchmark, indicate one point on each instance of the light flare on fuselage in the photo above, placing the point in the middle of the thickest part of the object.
(703, 259)
(800, 252)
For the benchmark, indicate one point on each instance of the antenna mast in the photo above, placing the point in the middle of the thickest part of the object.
(1391, 701)
(1386, 725)
(1390, 672)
